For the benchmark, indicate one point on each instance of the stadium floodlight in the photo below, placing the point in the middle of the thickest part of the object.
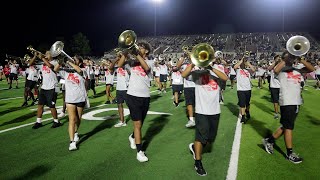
(157, 1)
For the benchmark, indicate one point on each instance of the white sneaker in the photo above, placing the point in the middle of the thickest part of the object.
(276, 116)
(132, 142)
(142, 157)
(190, 124)
(61, 115)
(76, 137)
(120, 124)
(72, 146)
(221, 102)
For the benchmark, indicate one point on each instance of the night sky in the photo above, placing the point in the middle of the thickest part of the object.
(35, 22)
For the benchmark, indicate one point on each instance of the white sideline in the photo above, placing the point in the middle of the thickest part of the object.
(233, 164)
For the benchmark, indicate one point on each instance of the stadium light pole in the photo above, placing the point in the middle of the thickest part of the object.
(156, 3)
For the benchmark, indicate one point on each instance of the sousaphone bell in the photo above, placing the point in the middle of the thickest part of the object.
(298, 45)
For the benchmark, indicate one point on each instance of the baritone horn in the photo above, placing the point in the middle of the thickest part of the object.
(57, 48)
(127, 40)
(202, 55)
(30, 48)
(298, 45)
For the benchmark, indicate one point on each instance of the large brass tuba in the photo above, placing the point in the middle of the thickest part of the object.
(298, 45)
(202, 55)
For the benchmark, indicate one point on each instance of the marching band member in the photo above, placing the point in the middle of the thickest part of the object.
(75, 98)
(109, 80)
(317, 72)
(207, 109)
(177, 85)
(47, 95)
(275, 86)
(244, 88)
(13, 73)
(163, 74)
(138, 94)
(31, 82)
(232, 75)
(289, 101)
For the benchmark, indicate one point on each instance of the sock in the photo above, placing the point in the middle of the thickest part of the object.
(289, 151)
(191, 118)
(139, 147)
(55, 120)
(197, 162)
(38, 120)
(271, 139)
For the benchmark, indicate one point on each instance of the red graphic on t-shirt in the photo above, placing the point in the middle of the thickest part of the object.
(46, 69)
(121, 72)
(221, 68)
(209, 84)
(74, 79)
(243, 73)
(296, 78)
(138, 70)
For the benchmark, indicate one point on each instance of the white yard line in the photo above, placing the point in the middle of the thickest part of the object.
(10, 98)
(233, 164)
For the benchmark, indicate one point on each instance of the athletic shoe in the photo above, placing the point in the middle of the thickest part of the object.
(199, 169)
(293, 157)
(175, 104)
(190, 124)
(37, 125)
(221, 102)
(191, 148)
(72, 146)
(33, 103)
(76, 137)
(276, 116)
(248, 115)
(107, 102)
(24, 104)
(267, 146)
(132, 142)
(142, 157)
(243, 119)
(56, 124)
(120, 124)
(61, 115)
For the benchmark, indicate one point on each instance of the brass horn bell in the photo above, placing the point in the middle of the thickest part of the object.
(298, 45)
(127, 40)
(202, 55)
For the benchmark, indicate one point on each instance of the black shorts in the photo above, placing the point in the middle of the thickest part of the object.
(31, 84)
(177, 88)
(232, 77)
(48, 98)
(268, 79)
(79, 104)
(87, 83)
(163, 78)
(13, 76)
(222, 84)
(275, 94)
(96, 75)
(318, 77)
(288, 116)
(121, 96)
(189, 95)
(244, 98)
(109, 84)
(206, 127)
(138, 107)
(7, 75)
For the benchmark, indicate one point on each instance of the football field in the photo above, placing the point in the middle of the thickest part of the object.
(104, 151)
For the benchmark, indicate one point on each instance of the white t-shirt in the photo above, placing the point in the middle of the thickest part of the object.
(290, 88)
(232, 71)
(207, 92)
(49, 77)
(96, 70)
(243, 80)
(14, 68)
(1, 68)
(317, 70)
(274, 81)
(139, 82)
(176, 78)
(32, 73)
(187, 82)
(75, 87)
(156, 70)
(260, 71)
(163, 69)
(122, 79)
(109, 76)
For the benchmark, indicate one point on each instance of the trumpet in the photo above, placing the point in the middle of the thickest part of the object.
(235, 62)
(174, 62)
(30, 48)
(202, 55)
(298, 45)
